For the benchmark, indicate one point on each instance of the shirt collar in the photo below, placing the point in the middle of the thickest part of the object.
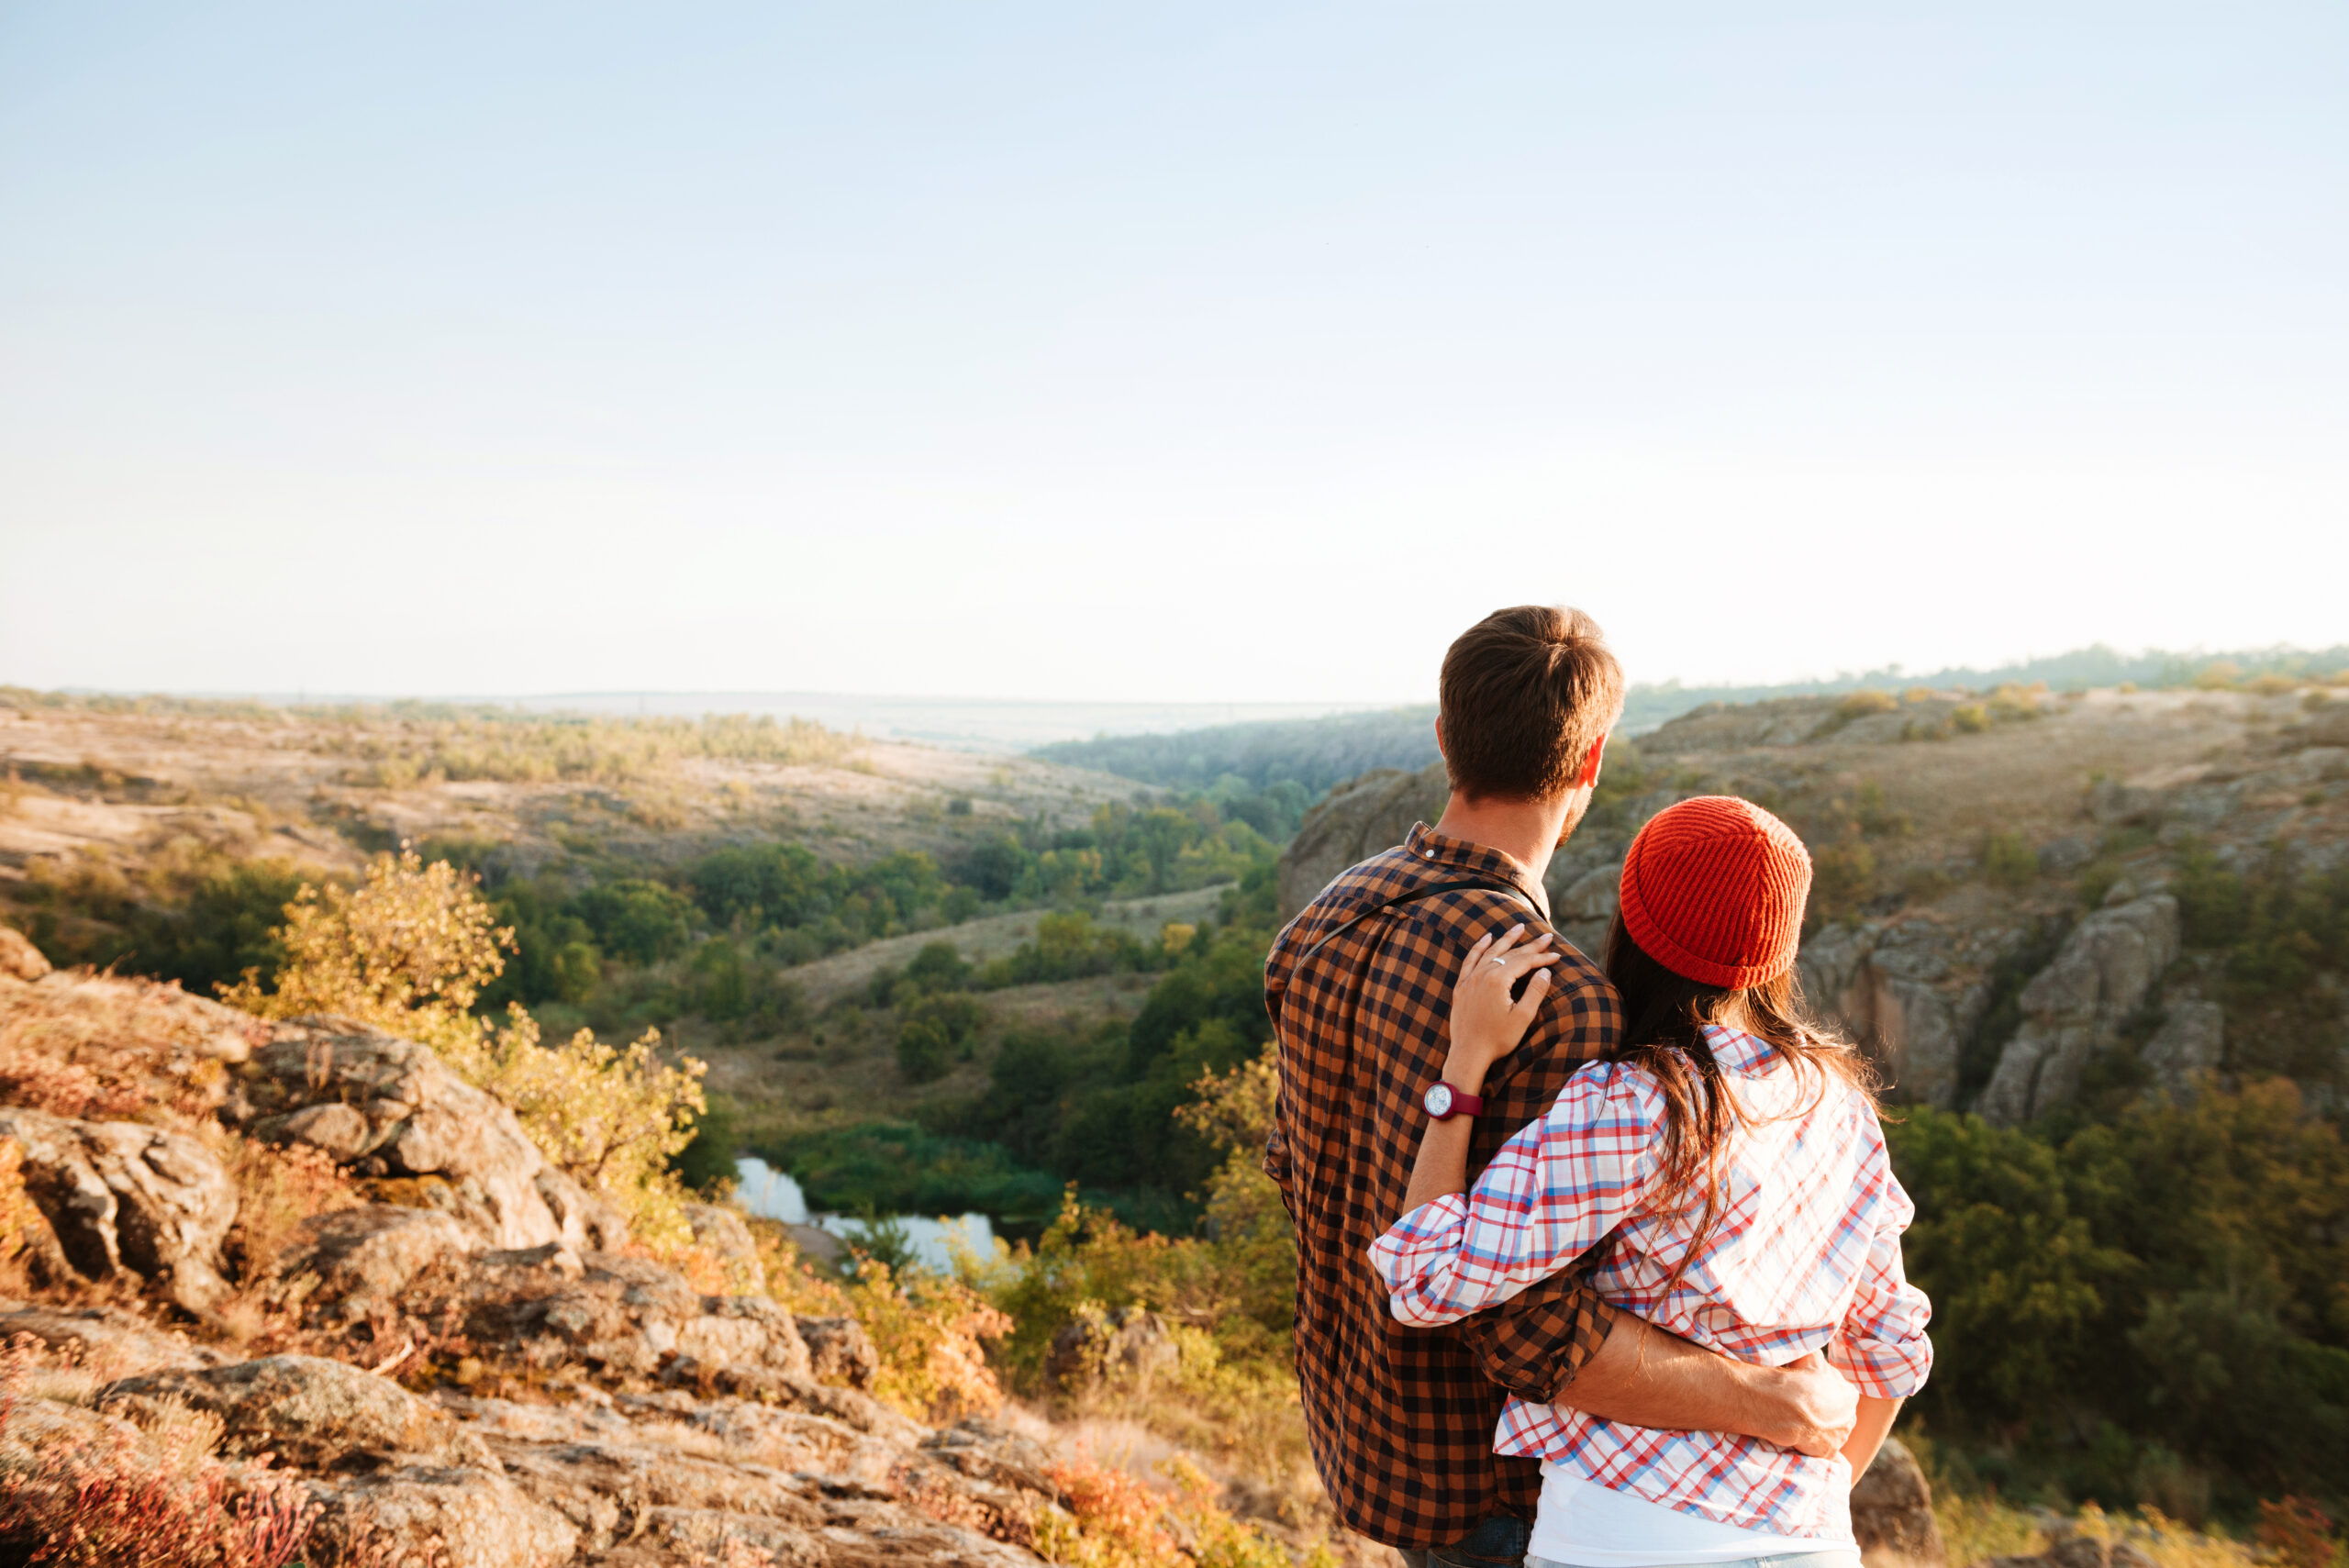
(1441, 852)
(1736, 1050)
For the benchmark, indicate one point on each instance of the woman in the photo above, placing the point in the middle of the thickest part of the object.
(1729, 1154)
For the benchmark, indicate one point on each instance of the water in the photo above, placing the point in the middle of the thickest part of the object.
(771, 1195)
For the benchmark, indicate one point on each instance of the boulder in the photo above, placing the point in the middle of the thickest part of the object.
(20, 960)
(839, 1351)
(1130, 1346)
(363, 1258)
(307, 1410)
(428, 1516)
(122, 1195)
(108, 1336)
(1892, 1513)
(387, 1107)
(2062, 857)
(1593, 895)
(630, 1316)
(1354, 822)
(129, 1042)
(2079, 1552)
(2191, 1040)
(2078, 1005)
(585, 1220)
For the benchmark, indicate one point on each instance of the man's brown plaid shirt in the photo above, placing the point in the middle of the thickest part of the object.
(1401, 1419)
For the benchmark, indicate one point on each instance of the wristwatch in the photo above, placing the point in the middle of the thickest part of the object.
(1445, 1102)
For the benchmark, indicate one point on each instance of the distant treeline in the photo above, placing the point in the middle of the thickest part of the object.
(1317, 753)
(1314, 753)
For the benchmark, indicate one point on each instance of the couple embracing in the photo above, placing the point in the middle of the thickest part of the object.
(1599, 1265)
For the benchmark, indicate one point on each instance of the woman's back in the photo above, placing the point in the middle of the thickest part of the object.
(1802, 1254)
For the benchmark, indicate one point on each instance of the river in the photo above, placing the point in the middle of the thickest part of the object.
(773, 1195)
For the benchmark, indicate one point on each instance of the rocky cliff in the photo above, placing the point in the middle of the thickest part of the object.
(1998, 915)
(475, 1368)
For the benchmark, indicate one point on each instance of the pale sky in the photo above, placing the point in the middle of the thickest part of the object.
(1210, 352)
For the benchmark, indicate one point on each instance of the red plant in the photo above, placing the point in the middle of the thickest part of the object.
(67, 1089)
(2297, 1533)
(135, 1500)
(80, 1508)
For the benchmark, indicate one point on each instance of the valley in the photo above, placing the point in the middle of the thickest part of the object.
(2096, 941)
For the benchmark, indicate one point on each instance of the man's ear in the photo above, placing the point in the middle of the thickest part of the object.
(1438, 735)
(1590, 779)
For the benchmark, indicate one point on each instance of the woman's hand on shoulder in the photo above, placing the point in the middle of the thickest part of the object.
(1486, 1024)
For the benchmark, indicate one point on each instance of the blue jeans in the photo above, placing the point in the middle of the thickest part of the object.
(1833, 1557)
(1498, 1543)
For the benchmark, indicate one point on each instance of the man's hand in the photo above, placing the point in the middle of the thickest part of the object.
(1820, 1407)
(1643, 1376)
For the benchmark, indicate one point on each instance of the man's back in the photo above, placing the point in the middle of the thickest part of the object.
(1402, 1420)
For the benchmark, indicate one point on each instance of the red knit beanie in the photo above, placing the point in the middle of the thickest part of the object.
(1713, 889)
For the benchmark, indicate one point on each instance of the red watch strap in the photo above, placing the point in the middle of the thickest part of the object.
(1463, 1103)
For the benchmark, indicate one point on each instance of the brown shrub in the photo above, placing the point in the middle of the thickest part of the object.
(277, 1189)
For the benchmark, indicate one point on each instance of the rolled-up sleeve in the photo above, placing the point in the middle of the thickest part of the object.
(1882, 1347)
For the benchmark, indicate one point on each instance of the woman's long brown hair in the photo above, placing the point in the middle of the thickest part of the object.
(1664, 1016)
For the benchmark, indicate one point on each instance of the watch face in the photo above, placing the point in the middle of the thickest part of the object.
(1440, 1100)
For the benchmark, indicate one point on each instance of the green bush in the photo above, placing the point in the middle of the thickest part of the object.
(2008, 860)
(706, 1164)
(226, 928)
(2165, 1283)
(644, 922)
(933, 1032)
(938, 967)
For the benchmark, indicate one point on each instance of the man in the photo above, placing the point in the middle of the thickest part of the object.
(1359, 986)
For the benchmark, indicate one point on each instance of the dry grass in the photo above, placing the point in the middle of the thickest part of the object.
(102, 1048)
(277, 1189)
(90, 1493)
(1979, 1527)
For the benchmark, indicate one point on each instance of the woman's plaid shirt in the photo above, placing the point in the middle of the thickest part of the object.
(1805, 1256)
(1401, 1418)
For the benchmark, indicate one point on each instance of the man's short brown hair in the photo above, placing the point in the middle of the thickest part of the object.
(1526, 692)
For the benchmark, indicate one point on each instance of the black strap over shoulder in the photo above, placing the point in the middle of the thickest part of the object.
(1402, 898)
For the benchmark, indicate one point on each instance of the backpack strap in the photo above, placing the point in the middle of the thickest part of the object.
(1396, 902)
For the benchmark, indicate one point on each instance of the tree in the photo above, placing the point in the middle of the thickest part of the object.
(408, 951)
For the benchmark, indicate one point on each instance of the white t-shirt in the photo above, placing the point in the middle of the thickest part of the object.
(1591, 1526)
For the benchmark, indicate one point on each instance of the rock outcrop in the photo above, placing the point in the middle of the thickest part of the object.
(2190, 1041)
(637, 1419)
(122, 1195)
(1130, 1346)
(1892, 1513)
(2079, 1005)
(1993, 987)
(360, 1261)
(1355, 821)
(20, 960)
(387, 1107)
(310, 1411)
(456, 1516)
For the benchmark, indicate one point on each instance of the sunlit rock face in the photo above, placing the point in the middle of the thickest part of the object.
(1997, 915)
